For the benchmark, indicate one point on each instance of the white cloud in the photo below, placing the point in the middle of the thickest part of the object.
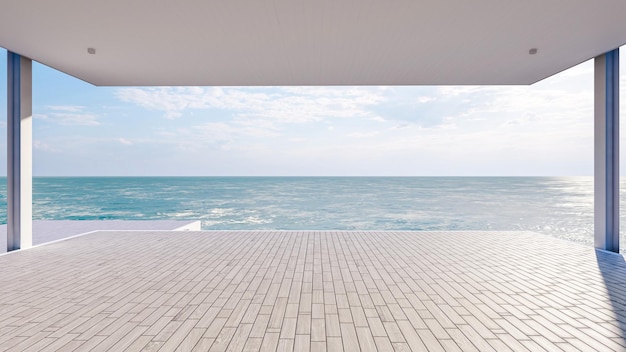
(441, 130)
(285, 104)
(69, 119)
(425, 99)
(125, 141)
(454, 91)
(540, 129)
(43, 146)
(67, 108)
(238, 134)
(68, 116)
(363, 134)
(171, 100)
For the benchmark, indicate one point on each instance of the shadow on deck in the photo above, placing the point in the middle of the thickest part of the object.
(613, 269)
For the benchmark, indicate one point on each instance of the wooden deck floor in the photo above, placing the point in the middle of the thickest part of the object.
(317, 291)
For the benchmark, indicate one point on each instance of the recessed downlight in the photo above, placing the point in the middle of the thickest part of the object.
(91, 51)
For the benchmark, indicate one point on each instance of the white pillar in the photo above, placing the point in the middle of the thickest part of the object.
(606, 158)
(19, 153)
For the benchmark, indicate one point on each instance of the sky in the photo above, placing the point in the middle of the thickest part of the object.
(545, 129)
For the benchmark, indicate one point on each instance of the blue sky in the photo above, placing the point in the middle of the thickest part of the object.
(79, 129)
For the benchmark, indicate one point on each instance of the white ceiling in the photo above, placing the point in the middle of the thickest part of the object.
(311, 42)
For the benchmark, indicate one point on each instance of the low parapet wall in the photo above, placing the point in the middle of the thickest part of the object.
(53, 230)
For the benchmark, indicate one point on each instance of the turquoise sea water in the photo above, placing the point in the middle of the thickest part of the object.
(561, 207)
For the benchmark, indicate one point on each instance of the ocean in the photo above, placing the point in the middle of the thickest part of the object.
(555, 206)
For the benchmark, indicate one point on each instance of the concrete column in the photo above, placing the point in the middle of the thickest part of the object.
(606, 158)
(19, 153)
